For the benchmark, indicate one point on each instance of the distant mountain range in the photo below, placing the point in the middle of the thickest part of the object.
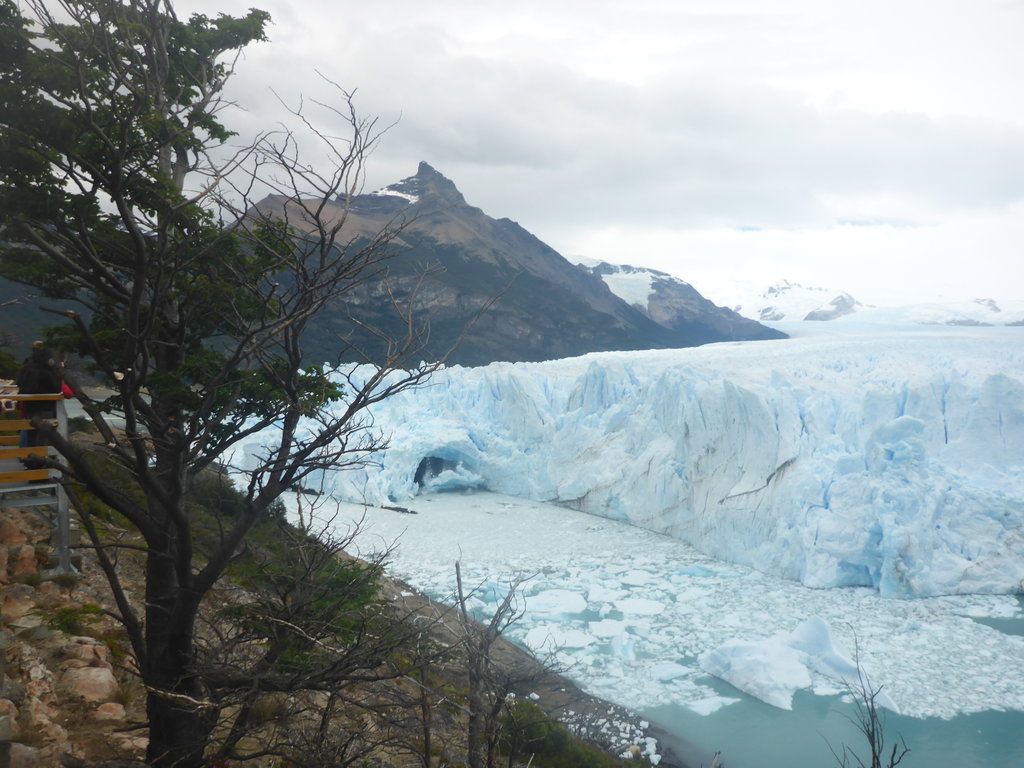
(513, 298)
(786, 301)
(544, 307)
(793, 301)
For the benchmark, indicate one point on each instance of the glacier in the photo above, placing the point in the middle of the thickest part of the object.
(882, 461)
(888, 458)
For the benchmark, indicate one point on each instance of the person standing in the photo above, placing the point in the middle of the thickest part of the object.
(40, 375)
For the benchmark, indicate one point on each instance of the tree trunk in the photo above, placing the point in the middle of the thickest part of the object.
(475, 726)
(426, 721)
(178, 733)
(180, 720)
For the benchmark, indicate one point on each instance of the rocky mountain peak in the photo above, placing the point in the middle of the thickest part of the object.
(430, 181)
(428, 184)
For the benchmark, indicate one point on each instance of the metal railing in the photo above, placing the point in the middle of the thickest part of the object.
(23, 487)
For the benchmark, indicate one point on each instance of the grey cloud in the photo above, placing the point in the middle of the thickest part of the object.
(550, 147)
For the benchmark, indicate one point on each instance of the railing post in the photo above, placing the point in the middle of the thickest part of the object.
(6, 727)
(63, 520)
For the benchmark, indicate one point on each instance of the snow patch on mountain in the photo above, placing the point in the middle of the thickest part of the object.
(673, 303)
(393, 192)
(634, 285)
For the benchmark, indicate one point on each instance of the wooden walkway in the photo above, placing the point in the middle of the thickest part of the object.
(34, 488)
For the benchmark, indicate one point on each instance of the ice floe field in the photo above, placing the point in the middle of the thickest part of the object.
(629, 613)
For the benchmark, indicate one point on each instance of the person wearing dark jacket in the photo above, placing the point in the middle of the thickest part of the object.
(39, 375)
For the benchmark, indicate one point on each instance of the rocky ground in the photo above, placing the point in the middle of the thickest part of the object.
(68, 685)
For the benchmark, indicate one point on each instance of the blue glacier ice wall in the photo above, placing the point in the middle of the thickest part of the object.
(886, 461)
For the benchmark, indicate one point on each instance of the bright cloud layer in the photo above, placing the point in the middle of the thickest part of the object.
(843, 144)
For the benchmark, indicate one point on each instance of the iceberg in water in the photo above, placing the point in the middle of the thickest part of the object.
(773, 670)
(885, 460)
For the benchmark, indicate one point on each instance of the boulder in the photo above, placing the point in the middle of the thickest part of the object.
(8, 720)
(11, 533)
(24, 756)
(110, 710)
(96, 684)
(49, 592)
(22, 560)
(18, 601)
(86, 650)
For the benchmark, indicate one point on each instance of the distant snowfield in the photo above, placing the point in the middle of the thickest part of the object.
(792, 302)
(964, 313)
(849, 456)
(629, 613)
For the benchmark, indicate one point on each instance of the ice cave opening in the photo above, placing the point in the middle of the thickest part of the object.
(437, 474)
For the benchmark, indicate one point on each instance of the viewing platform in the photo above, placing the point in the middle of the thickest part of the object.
(24, 487)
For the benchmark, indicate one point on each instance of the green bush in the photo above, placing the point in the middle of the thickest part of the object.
(66, 580)
(216, 495)
(74, 619)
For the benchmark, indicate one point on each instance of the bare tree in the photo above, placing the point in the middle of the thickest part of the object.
(112, 199)
(490, 684)
(871, 724)
(426, 706)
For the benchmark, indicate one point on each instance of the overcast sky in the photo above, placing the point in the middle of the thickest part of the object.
(874, 146)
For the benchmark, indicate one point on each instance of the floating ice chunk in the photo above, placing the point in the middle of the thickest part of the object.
(773, 669)
(636, 577)
(690, 595)
(624, 646)
(599, 593)
(696, 570)
(769, 670)
(607, 628)
(555, 603)
(640, 627)
(640, 606)
(666, 670)
(710, 704)
(814, 638)
(651, 749)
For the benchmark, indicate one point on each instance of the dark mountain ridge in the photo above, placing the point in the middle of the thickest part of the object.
(485, 286)
(539, 306)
